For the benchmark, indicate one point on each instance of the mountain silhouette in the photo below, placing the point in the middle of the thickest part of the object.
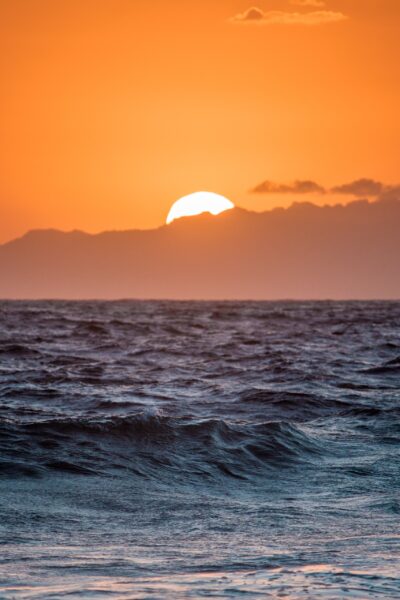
(305, 251)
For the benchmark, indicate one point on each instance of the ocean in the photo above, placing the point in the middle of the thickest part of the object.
(156, 449)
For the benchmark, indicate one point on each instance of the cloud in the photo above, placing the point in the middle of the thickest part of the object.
(314, 3)
(256, 16)
(297, 187)
(360, 187)
(251, 14)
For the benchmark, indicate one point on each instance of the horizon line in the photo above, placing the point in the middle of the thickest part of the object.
(204, 300)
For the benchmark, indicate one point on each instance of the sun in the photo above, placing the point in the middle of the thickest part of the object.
(197, 203)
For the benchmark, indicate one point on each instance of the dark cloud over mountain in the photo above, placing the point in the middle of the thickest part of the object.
(297, 187)
(360, 187)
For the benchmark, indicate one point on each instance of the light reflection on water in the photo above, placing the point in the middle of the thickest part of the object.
(316, 581)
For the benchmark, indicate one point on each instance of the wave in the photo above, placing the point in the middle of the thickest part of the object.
(18, 350)
(390, 367)
(153, 445)
(300, 407)
(289, 403)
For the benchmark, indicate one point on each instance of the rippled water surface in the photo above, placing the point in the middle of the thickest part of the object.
(199, 449)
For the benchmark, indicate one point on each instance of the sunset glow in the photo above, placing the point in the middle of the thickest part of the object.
(110, 111)
(198, 203)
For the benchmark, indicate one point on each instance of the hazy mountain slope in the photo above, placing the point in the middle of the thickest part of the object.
(302, 252)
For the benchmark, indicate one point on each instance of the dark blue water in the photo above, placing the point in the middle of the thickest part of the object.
(189, 450)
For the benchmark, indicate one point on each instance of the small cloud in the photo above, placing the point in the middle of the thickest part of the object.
(256, 16)
(251, 14)
(360, 187)
(297, 187)
(313, 3)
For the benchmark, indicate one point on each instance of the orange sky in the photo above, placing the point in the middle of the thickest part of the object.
(112, 109)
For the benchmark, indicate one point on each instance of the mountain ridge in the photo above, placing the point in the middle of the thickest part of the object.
(305, 251)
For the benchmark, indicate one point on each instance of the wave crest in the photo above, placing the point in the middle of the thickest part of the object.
(154, 445)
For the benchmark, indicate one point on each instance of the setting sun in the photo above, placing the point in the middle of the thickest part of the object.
(198, 203)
